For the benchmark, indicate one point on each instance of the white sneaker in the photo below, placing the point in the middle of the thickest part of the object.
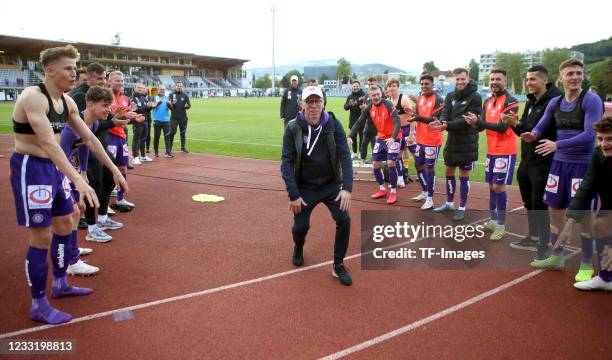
(81, 268)
(428, 204)
(420, 197)
(114, 192)
(400, 182)
(146, 159)
(125, 203)
(136, 161)
(110, 211)
(596, 283)
(109, 224)
(98, 235)
(85, 251)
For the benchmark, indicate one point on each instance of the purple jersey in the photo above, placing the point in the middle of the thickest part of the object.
(73, 147)
(573, 145)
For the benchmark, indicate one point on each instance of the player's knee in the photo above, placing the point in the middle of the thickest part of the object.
(62, 225)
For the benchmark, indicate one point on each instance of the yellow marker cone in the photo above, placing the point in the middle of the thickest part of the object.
(207, 198)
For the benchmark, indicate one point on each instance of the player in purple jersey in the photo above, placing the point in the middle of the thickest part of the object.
(573, 114)
(98, 102)
(596, 181)
(40, 175)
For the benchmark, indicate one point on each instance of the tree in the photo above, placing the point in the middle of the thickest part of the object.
(430, 67)
(343, 69)
(286, 80)
(323, 78)
(601, 77)
(473, 69)
(552, 58)
(263, 82)
(514, 66)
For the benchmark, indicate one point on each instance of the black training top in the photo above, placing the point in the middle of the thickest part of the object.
(58, 121)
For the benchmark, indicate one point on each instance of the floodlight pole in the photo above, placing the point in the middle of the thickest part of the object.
(273, 63)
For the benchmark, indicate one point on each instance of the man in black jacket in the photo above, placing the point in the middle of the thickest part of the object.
(595, 182)
(353, 105)
(461, 148)
(533, 170)
(290, 106)
(316, 167)
(179, 103)
(140, 129)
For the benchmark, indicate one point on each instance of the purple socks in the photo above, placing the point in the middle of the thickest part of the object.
(393, 176)
(501, 204)
(36, 271)
(451, 184)
(430, 176)
(493, 205)
(423, 179)
(60, 255)
(378, 174)
(74, 248)
(464, 190)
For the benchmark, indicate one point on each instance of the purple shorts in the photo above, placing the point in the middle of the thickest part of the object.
(499, 169)
(427, 155)
(564, 180)
(40, 190)
(381, 153)
(118, 147)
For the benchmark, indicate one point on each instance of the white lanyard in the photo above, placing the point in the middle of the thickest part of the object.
(315, 140)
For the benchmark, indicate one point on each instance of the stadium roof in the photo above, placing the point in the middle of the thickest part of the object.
(15, 45)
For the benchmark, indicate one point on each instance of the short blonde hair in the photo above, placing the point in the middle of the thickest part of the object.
(51, 55)
(569, 63)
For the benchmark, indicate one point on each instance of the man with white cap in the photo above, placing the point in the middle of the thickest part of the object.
(290, 101)
(316, 166)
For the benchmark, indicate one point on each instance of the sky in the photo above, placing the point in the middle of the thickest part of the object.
(404, 34)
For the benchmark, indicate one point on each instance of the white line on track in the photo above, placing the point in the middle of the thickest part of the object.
(431, 318)
(231, 142)
(448, 311)
(199, 293)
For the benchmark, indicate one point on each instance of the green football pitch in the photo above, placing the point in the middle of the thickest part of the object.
(242, 127)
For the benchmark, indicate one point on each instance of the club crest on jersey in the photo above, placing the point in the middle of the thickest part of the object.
(575, 185)
(552, 185)
(40, 196)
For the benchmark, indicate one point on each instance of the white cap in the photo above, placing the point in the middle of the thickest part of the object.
(294, 77)
(311, 90)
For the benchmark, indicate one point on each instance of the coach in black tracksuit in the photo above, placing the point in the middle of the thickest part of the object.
(179, 103)
(289, 105)
(316, 167)
(532, 173)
